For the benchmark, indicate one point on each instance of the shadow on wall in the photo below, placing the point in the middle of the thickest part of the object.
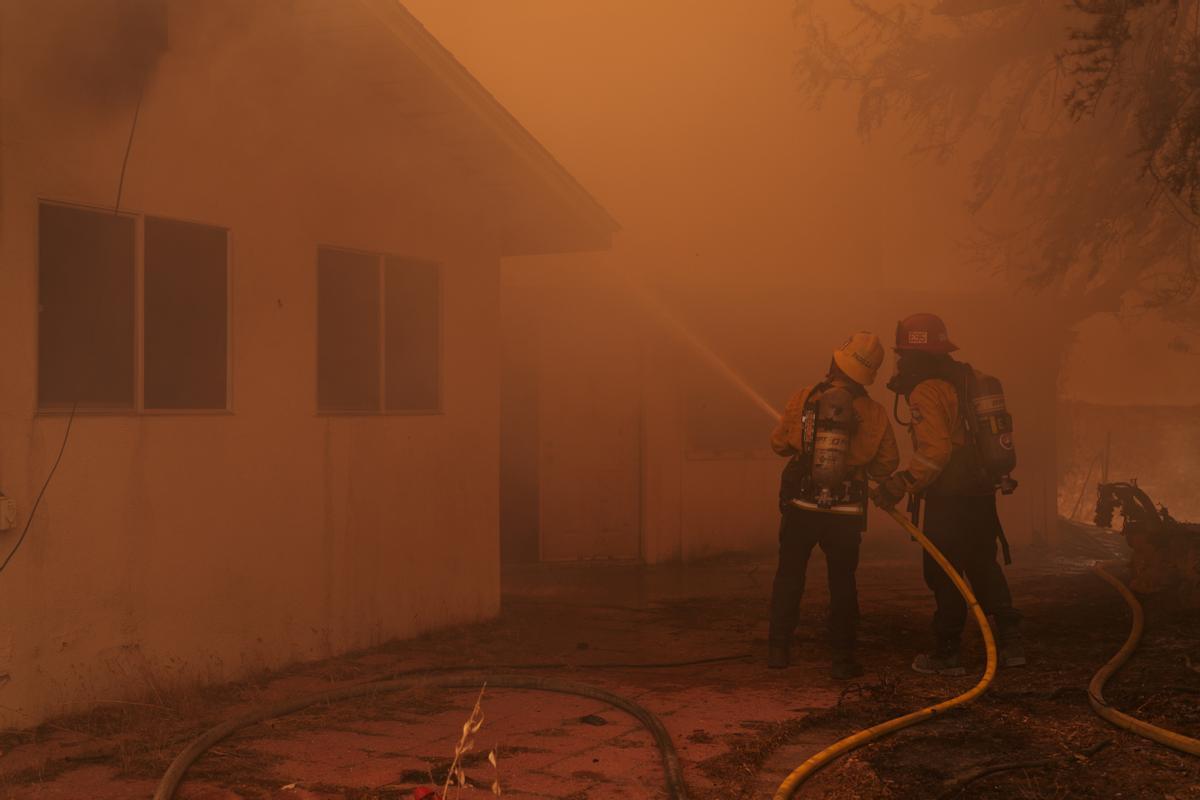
(1157, 445)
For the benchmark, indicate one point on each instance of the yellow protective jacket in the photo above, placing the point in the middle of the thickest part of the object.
(937, 430)
(873, 451)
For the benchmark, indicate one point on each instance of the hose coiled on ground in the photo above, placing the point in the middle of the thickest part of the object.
(803, 772)
(169, 784)
(1176, 741)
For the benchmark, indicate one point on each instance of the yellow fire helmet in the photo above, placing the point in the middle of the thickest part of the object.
(860, 357)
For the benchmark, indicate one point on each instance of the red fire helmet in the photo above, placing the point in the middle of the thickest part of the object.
(925, 332)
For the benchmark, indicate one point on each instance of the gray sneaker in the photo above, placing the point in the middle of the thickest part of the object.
(938, 664)
(1011, 654)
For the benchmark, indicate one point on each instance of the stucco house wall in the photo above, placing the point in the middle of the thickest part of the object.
(175, 547)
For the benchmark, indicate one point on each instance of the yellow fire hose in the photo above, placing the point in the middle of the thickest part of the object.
(1171, 739)
(803, 772)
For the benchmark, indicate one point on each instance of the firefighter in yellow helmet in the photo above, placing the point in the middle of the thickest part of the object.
(835, 437)
(959, 497)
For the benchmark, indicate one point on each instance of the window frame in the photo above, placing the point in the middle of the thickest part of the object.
(138, 409)
(380, 265)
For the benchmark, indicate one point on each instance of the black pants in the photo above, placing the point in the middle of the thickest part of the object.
(839, 538)
(966, 530)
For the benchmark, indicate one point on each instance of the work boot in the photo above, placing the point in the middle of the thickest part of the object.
(943, 660)
(1011, 654)
(777, 656)
(845, 666)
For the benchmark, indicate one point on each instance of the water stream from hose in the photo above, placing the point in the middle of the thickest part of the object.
(671, 322)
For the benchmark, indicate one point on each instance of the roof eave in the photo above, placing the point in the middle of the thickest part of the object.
(591, 215)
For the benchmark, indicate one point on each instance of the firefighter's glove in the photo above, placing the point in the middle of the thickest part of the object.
(889, 492)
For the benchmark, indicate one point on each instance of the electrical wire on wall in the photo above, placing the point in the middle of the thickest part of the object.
(137, 110)
(33, 510)
(75, 406)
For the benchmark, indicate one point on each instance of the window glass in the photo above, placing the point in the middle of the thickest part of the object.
(186, 326)
(85, 308)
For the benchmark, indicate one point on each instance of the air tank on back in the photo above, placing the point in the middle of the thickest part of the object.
(993, 430)
(831, 445)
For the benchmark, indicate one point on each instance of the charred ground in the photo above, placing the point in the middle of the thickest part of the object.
(738, 728)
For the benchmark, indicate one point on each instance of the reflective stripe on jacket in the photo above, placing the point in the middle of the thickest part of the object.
(873, 451)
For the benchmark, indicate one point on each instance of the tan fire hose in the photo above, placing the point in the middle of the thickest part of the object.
(803, 772)
(1177, 741)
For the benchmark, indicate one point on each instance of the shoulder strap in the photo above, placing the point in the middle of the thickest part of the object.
(962, 387)
(814, 394)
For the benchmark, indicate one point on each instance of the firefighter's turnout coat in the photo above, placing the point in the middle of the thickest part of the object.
(943, 457)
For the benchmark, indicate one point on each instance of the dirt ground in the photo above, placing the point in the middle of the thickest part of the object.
(738, 727)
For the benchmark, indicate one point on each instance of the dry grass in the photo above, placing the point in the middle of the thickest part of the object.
(456, 775)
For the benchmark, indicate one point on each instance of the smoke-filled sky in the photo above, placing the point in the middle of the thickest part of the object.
(684, 119)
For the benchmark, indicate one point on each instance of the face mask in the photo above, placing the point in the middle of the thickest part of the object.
(908, 375)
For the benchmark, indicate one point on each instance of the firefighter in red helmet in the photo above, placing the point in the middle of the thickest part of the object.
(945, 471)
